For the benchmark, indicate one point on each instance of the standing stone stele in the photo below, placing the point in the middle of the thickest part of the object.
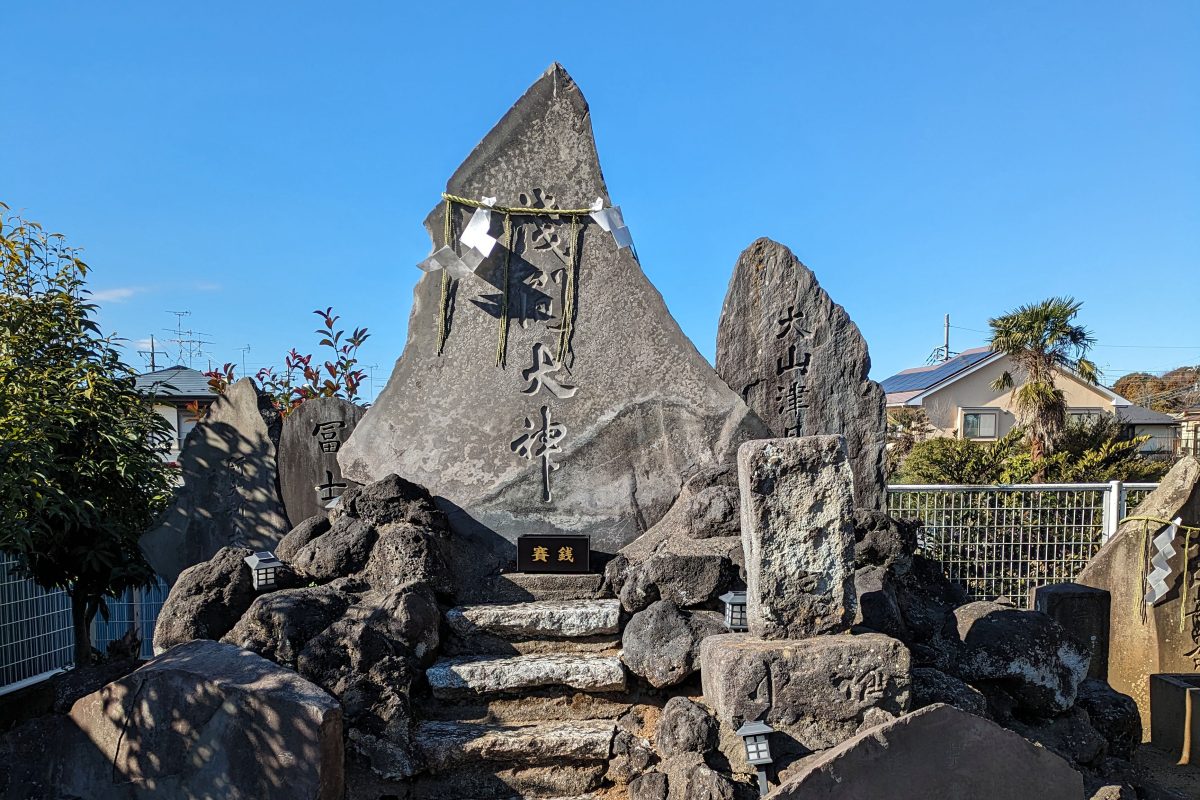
(230, 492)
(1164, 637)
(596, 442)
(798, 536)
(309, 474)
(798, 360)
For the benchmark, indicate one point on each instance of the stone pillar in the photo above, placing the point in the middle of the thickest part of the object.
(798, 536)
(1083, 612)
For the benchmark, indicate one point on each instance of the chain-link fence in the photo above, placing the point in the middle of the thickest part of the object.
(1003, 541)
(36, 639)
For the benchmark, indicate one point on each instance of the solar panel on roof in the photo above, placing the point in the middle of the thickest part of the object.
(917, 381)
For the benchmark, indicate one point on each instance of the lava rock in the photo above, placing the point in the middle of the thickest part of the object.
(881, 540)
(929, 686)
(714, 511)
(1027, 652)
(206, 601)
(684, 580)
(278, 625)
(878, 606)
(1114, 715)
(301, 535)
(342, 551)
(685, 727)
(649, 786)
(689, 778)
(662, 643)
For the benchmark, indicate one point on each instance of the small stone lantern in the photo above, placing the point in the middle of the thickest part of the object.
(735, 610)
(264, 567)
(756, 737)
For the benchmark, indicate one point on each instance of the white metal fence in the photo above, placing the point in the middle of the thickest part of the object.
(1002, 541)
(36, 639)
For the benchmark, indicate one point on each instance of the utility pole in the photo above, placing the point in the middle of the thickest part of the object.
(245, 350)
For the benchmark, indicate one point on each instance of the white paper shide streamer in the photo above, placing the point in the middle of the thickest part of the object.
(610, 219)
(477, 241)
(1159, 579)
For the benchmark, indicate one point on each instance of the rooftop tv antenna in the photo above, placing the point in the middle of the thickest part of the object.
(190, 345)
(941, 355)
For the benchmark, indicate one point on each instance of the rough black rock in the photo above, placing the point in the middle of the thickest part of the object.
(662, 643)
(206, 601)
(1114, 715)
(1026, 652)
(930, 686)
(685, 727)
(301, 535)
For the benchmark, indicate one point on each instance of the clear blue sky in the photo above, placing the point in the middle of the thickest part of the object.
(250, 162)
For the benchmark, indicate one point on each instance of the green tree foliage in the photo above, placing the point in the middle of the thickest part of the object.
(80, 474)
(1094, 451)
(339, 376)
(1042, 340)
(905, 427)
(963, 461)
(1171, 393)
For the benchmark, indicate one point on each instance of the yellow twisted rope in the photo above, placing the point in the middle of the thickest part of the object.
(444, 307)
(539, 212)
(502, 341)
(568, 310)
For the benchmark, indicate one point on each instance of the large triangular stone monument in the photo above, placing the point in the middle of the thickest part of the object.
(595, 437)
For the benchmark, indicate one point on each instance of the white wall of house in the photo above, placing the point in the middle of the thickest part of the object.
(949, 406)
(969, 407)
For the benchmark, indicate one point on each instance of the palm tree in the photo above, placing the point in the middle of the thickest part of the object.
(1041, 340)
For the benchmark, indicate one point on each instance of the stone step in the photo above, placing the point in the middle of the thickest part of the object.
(464, 677)
(548, 704)
(547, 782)
(447, 745)
(485, 644)
(539, 619)
(518, 587)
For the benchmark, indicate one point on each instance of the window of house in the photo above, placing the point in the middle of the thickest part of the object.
(980, 424)
(1083, 415)
(187, 421)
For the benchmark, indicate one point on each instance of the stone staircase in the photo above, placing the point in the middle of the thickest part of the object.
(526, 701)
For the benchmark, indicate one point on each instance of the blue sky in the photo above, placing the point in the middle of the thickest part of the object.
(249, 162)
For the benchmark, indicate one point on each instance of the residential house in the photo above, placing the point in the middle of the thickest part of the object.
(1189, 421)
(172, 391)
(959, 400)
